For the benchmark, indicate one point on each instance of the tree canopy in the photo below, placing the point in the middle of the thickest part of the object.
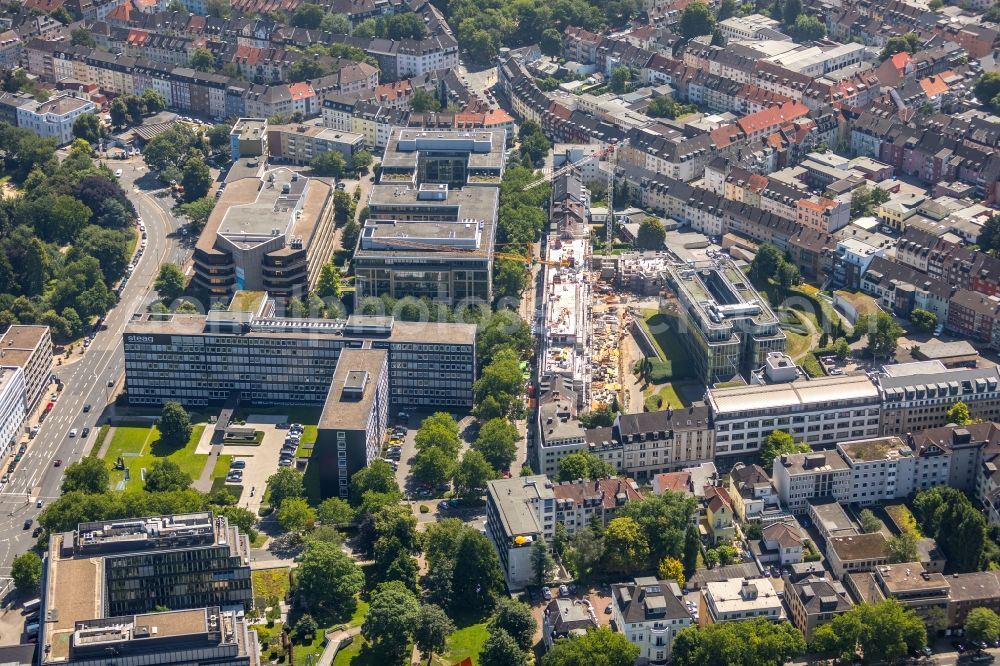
(885, 631)
(757, 642)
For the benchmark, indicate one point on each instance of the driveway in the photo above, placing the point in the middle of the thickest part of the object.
(262, 460)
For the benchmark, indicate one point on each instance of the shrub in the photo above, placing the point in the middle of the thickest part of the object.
(424, 508)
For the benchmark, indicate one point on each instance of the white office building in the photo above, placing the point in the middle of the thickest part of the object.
(55, 117)
(12, 406)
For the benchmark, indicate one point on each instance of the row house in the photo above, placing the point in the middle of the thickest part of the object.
(261, 64)
(11, 49)
(949, 261)
(975, 316)
(613, 54)
(901, 289)
(734, 62)
(581, 45)
(977, 39)
(766, 121)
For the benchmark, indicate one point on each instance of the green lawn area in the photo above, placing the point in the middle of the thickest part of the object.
(221, 467)
(465, 642)
(796, 344)
(665, 395)
(359, 614)
(305, 447)
(662, 330)
(140, 446)
(355, 655)
(270, 583)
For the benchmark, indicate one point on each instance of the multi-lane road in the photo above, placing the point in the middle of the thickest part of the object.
(86, 378)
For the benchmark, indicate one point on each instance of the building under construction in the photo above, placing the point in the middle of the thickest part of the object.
(432, 217)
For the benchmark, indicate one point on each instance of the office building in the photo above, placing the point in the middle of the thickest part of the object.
(857, 552)
(263, 235)
(105, 581)
(352, 426)
(725, 324)
(739, 599)
(908, 583)
(432, 217)
(801, 477)
(649, 613)
(54, 118)
(262, 359)
(248, 138)
(815, 601)
(29, 348)
(918, 395)
(12, 410)
(299, 144)
(519, 511)
(818, 411)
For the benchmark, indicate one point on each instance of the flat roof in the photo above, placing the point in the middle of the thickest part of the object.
(879, 448)
(353, 388)
(860, 547)
(721, 292)
(909, 576)
(23, 337)
(739, 594)
(249, 128)
(803, 393)
(484, 148)
(512, 498)
(832, 515)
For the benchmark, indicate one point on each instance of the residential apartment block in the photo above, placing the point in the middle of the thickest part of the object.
(649, 613)
(12, 407)
(54, 118)
(917, 396)
(815, 601)
(739, 599)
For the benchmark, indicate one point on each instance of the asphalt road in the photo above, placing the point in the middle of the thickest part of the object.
(85, 380)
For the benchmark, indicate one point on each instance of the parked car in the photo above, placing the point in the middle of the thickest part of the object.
(546, 593)
(563, 591)
(238, 464)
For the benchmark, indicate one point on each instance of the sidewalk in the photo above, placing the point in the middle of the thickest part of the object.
(334, 639)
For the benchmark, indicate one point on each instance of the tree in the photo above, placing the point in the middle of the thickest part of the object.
(551, 42)
(174, 424)
(26, 570)
(328, 579)
(502, 381)
(377, 478)
(808, 28)
(778, 443)
(431, 629)
(165, 475)
(665, 106)
(361, 160)
(584, 465)
(599, 646)
(497, 441)
(542, 564)
(307, 15)
(439, 430)
(869, 523)
(982, 624)
(390, 619)
(503, 330)
(89, 475)
(202, 59)
(620, 77)
(471, 475)
(305, 628)
(692, 546)
(285, 484)
(625, 545)
(885, 631)
(765, 263)
(328, 285)
(424, 101)
(757, 642)
(88, 127)
(842, 349)
(791, 11)
(82, 37)
(478, 580)
(336, 24)
(169, 282)
(923, 320)
(903, 548)
(515, 618)
(665, 520)
(987, 88)
(329, 163)
(295, 514)
(947, 516)
(697, 20)
(433, 466)
(788, 275)
(500, 649)
(334, 511)
(218, 135)
(865, 200)
(958, 414)
(671, 569)
(883, 336)
(196, 178)
(652, 234)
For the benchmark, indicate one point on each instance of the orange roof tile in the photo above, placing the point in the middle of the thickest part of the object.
(934, 85)
(900, 60)
(300, 90)
(772, 117)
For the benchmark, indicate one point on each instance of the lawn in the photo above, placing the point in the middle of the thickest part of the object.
(221, 467)
(270, 584)
(662, 330)
(356, 654)
(140, 446)
(305, 447)
(465, 642)
(796, 344)
(665, 395)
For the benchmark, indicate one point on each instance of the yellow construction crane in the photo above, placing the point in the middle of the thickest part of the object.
(497, 255)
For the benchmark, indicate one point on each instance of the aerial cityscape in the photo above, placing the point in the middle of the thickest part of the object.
(499, 332)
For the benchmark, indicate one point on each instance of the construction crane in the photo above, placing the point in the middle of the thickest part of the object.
(496, 255)
(566, 168)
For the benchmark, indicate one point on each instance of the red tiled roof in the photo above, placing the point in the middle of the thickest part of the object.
(900, 60)
(934, 85)
(300, 90)
(678, 482)
(772, 117)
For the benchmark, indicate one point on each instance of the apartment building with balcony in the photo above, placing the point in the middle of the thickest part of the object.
(649, 613)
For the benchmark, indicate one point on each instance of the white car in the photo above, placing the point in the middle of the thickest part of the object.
(118, 173)
(72, 433)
